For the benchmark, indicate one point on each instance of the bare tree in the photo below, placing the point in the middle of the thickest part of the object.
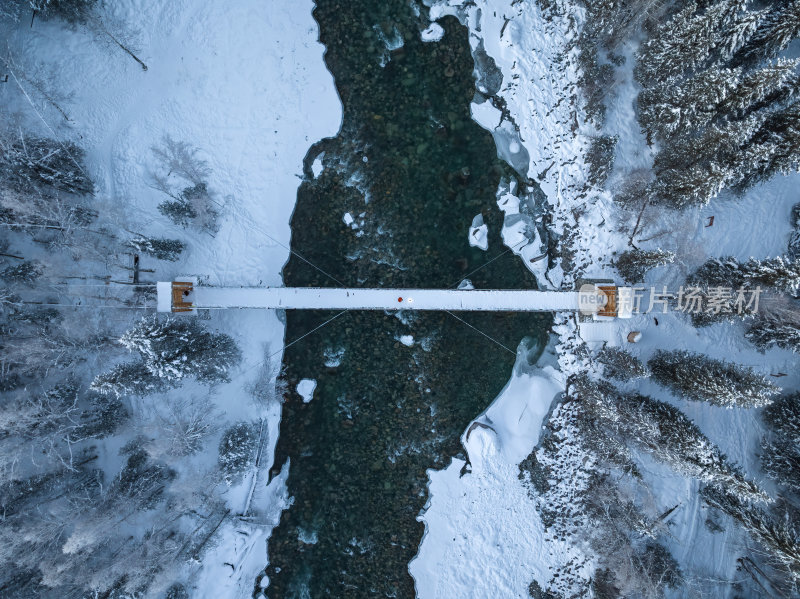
(185, 424)
(181, 159)
(40, 82)
(183, 177)
(268, 385)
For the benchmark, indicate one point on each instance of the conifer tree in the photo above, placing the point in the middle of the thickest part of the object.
(721, 120)
(737, 34)
(141, 479)
(775, 147)
(780, 456)
(693, 185)
(29, 163)
(793, 250)
(779, 537)
(755, 87)
(633, 264)
(174, 348)
(700, 378)
(237, 450)
(781, 274)
(170, 350)
(775, 32)
(665, 432)
(71, 11)
(129, 378)
(621, 364)
(780, 328)
(162, 249)
(24, 273)
(692, 170)
(685, 42)
(681, 109)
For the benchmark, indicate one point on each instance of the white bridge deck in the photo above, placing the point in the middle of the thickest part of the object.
(314, 298)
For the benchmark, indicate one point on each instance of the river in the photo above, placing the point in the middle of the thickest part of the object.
(394, 390)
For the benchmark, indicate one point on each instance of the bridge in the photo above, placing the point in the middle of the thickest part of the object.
(186, 296)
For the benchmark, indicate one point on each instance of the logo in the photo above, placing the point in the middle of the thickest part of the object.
(590, 299)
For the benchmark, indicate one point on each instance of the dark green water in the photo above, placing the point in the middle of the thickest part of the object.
(387, 412)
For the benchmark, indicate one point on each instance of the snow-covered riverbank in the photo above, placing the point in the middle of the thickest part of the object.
(246, 84)
(484, 536)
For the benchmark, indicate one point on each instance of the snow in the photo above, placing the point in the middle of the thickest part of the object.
(479, 233)
(310, 298)
(347, 219)
(407, 340)
(473, 532)
(246, 84)
(164, 296)
(316, 166)
(305, 388)
(433, 33)
(485, 114)
(483, 535)
(231, 565)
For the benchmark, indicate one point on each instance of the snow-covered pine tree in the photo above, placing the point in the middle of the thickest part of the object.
(665, 432)
(71, 11)
(684, 108)
(24, 273)
(237, 450)
(685, 42)
(142, 480)
(176, 591)
(28, 163)
(175, 348)
(610, 23)
(754, 88)
(100, 417)
(621, 364)
(178, 211)
(778, 536)
(194, 206)
(700, 378)
(793, 250)
(774, 33)
(170, 350)
(774, 148)
(160, 248)
(778, 326)
(734, 37)
(781, 274)
(600, 158)
(130, 378)
(692, 170)
(780, 455)
(693, 185)
(202, 205)
(633, 264)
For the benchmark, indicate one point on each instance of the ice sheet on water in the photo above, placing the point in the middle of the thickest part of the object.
(479, 233)
(433, 33)
(305, 388)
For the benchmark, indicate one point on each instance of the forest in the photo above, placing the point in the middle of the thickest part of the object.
(717, 105)
(98, 495)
